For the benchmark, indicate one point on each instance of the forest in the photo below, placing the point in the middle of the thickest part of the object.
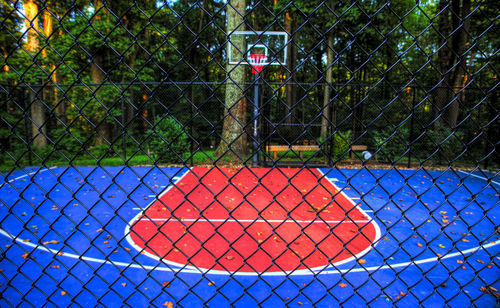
(143, 82)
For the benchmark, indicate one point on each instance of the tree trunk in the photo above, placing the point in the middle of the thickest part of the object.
(38, 117)
(453, 27)
(97, 76)
(326, 121)
(52, 92)
(234, 140)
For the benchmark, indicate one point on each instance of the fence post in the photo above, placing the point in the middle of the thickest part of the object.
(26, 97)
(191, 119)
(124, 130)
(410, 135)
(492, 114)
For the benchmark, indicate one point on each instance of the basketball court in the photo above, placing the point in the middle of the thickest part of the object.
(303, 235)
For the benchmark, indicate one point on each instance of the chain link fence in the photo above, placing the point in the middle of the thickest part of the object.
(140, 168)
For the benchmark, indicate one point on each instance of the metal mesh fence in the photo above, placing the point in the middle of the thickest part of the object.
(140, 168)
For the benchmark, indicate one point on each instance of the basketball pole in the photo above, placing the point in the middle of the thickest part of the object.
(256, 120)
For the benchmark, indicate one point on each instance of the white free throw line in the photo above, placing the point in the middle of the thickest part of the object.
(255, 220)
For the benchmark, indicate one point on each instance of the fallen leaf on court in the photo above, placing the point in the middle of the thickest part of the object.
(166, 284)
(419, 245)
(342, 285)
(124, 284)
(361, 261)
(126, 249)
(480, 261)
(490, 290)
(51, 242)
(27, 240)
(99, 230)
(168, 304)
(25, 255)
(259, 233)
(55, 266)
(63, 293)
(300, 303)
(442, 246)
(229, 258)
(460, 261)
(211, 283)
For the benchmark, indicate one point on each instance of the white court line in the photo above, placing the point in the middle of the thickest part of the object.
(461, 253)
(255, 220)
(28, 174)
(479, 177)
(199, 271)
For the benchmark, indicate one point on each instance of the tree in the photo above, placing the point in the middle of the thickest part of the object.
(38, 117)
(326, 120)
(234, 142)
(453, 28)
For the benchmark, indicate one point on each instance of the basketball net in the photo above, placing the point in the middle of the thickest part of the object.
(257, 62)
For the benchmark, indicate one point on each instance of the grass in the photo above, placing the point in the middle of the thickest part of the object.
(7, 163)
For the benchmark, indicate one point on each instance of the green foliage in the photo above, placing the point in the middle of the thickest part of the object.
(391, 142)
(342, 141)
(439, 143)
(102, 150)
(168, 141)
(69, 141)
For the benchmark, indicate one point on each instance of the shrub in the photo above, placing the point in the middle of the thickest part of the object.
(168, 141)
(440, 140)
(102, 150)
(392, 142)
(341, 144)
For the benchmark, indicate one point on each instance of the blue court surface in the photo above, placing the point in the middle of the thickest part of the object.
(63, 242)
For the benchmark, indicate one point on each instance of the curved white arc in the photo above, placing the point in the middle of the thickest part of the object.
(301, 272)
(27, 174)
(308, 271)
(372, 221)
(137, 217)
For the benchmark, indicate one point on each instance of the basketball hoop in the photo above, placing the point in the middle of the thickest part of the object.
(257, 62)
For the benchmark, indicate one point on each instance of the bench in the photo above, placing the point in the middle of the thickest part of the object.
(295, 148)
(357, 148)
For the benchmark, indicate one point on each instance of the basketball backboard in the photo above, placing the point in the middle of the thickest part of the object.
(270, 43)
